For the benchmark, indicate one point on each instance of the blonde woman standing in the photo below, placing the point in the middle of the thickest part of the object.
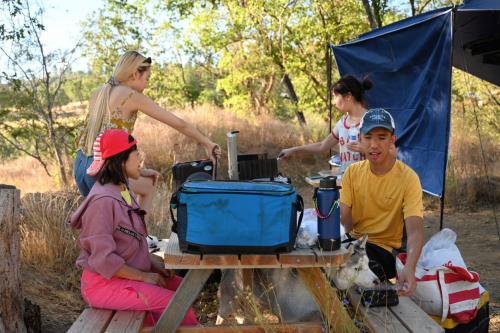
(115, 105)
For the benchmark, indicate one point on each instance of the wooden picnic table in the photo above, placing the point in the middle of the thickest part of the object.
(307, 262)
(406, 317)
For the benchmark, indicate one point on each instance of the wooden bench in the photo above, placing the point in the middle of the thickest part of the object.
(109, 321)
(406, 317)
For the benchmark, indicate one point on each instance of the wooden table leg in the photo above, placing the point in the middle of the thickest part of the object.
(183, 298)
(247, 274)
(326, 296)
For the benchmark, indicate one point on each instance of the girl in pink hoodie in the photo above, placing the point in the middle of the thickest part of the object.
(118, 271)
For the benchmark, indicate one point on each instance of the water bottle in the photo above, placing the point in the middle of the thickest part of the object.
(353, 134)
(326, 200)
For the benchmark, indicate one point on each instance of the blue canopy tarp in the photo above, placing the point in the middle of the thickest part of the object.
(410, 62)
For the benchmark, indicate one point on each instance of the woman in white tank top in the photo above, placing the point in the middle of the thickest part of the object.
(348, 97)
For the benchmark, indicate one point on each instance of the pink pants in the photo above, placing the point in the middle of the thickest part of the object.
(124, 294)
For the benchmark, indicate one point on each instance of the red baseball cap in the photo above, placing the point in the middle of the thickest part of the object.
(109, 143)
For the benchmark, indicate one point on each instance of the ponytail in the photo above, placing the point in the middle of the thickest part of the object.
(351, 85)
(98, 109)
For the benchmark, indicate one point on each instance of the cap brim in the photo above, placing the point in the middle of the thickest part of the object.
(369, 128)
(94, 168)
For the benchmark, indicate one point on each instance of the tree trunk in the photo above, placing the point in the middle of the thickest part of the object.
(369, 13)
(11, 298)
(293, 97)
(412, 6)
(58, 155)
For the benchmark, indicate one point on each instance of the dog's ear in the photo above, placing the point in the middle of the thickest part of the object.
(350, 249)
(362, 242)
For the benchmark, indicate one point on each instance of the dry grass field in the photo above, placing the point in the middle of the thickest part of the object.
(49, 248)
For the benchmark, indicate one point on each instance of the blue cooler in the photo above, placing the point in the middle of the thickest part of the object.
(236, 217)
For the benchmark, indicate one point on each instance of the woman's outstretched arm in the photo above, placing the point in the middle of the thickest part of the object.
(149, 107)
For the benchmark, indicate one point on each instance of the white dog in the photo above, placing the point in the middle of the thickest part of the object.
(355, 271)
(281, 291)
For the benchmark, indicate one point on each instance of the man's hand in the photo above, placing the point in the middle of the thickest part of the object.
(407, 282)
(415, 232)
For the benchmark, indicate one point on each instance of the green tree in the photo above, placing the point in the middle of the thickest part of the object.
(34, 78)
(267, 49)
(118, 26)
(131, 25)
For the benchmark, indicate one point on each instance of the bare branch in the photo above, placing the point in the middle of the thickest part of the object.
(65, 68)
(16, 64)
(492, 96)
(422, 7)
(20, 148)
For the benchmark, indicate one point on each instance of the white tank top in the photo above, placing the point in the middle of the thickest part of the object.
(341, 133)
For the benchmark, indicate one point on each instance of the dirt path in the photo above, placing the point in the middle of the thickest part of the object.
(476, 238)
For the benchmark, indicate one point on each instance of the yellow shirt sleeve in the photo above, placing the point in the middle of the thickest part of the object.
(412, 201)
(346, 191)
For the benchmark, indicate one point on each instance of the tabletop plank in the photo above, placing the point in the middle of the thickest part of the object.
(331, 258)
(299, 257)
(219, 260)
(259, 260)
(175, 259)
(173, 255)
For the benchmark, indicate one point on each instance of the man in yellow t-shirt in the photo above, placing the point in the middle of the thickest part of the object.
(378, 197)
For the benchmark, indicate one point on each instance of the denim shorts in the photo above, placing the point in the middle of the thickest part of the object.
(83, 181)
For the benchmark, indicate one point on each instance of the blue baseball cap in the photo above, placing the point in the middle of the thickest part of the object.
(377, 118)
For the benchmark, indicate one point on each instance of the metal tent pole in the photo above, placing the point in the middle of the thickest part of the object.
(448, 130)
(329, 87)
(232, 155)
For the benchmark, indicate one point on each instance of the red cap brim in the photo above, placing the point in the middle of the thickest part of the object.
(95, 167)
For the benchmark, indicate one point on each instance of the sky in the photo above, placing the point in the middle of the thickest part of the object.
(62, 20)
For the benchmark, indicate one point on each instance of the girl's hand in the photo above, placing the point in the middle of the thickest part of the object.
(154, 278)
(157, 266)
(355, 146)
(155, 175)
(167, 273)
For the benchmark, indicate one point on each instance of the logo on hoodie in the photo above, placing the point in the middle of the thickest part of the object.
(129, 232)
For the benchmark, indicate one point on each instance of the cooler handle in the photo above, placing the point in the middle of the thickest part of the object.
(300, 207)
(174, 203)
